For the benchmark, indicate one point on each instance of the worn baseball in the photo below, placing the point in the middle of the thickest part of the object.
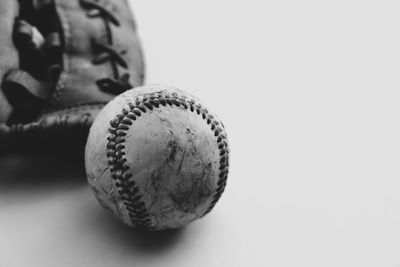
(157, 158)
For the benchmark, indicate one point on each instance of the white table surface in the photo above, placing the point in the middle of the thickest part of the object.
(309, 91)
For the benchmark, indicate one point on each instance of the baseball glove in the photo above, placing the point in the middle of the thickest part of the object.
(61, 61)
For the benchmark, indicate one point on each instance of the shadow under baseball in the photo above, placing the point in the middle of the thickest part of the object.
(132, 241)
(47, 174)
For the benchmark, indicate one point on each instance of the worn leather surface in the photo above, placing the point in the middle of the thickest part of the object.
(77, 82)
(62, 131)
(160, 166)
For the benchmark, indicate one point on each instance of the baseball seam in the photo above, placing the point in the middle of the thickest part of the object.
(129, 190)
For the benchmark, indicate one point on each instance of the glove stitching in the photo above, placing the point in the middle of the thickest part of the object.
(107, 51)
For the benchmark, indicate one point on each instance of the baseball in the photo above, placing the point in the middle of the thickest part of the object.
(157, 158)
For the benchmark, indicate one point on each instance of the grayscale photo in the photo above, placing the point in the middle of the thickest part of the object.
(199, 133)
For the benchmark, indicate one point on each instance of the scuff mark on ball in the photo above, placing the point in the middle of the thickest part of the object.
(192, 190)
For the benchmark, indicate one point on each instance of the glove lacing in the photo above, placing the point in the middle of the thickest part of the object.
(106, 51)
(29, 87)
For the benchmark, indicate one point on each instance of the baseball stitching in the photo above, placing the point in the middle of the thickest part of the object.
(129, 190)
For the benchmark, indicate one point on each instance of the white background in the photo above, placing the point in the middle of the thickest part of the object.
(309, 93)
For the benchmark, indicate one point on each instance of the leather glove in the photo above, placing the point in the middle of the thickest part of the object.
(61, 62)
